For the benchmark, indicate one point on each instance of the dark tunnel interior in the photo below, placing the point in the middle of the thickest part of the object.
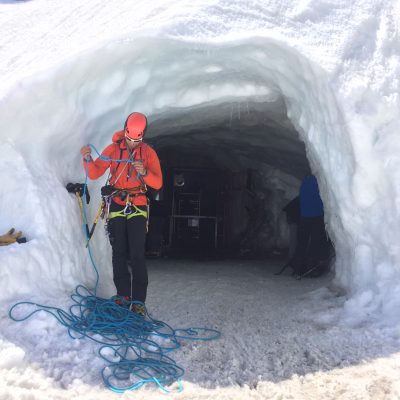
(226, 179)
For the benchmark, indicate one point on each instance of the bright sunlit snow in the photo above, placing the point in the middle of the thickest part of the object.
(325, 72)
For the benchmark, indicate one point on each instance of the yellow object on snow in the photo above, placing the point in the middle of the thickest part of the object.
(10, 237)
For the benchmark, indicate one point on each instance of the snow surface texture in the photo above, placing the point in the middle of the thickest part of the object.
(72, 72)
(274, 345)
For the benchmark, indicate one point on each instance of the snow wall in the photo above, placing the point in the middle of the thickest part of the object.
(345, 111)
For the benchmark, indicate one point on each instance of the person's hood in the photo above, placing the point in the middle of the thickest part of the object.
(118, 136)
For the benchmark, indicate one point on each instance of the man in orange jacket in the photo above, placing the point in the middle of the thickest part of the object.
(133, 165)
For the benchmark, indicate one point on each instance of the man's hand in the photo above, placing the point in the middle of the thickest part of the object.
(86, 152)
(139, 167)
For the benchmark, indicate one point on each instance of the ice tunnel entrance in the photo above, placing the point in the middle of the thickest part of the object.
(261, 111)
(228, 172)
(257, 109)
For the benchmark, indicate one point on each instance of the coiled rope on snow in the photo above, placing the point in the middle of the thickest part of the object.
(134, 347)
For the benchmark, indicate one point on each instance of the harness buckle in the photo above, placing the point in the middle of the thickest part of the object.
(143, 188)
(128, 207)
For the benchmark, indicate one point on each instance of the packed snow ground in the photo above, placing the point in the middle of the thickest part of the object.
(278, 341)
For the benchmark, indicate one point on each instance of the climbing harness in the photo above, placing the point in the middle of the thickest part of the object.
(128, 212)
(134, 346)
(109, 192)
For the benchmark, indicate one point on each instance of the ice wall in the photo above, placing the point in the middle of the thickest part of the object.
(335, 66)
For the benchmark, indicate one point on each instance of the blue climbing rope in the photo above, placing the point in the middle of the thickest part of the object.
(105, 158)
(134, 347)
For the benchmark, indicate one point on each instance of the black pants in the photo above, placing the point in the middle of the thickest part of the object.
(127, 238)
(312, 244)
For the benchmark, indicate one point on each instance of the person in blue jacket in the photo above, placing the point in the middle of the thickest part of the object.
(311, 236)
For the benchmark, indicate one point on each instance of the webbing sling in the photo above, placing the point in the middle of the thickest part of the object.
(138, 212)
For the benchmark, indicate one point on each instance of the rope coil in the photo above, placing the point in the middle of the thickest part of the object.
(134, 347)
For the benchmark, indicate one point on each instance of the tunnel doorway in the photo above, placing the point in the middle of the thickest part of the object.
(200, 211)
(196, 202)
(223, 191)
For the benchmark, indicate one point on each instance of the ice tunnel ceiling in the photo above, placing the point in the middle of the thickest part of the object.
(234, 135)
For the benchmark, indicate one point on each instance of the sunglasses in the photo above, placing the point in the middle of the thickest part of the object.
(132, 140)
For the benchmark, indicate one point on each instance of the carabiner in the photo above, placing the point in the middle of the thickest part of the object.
(128, 207)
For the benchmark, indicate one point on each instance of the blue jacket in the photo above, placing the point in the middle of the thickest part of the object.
(310, 200)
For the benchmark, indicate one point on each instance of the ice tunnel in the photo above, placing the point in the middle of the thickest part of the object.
(256, 109)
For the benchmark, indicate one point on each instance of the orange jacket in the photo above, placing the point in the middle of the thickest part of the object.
(123, 175)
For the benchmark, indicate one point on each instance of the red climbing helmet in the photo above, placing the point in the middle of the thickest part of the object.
(135, 126)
